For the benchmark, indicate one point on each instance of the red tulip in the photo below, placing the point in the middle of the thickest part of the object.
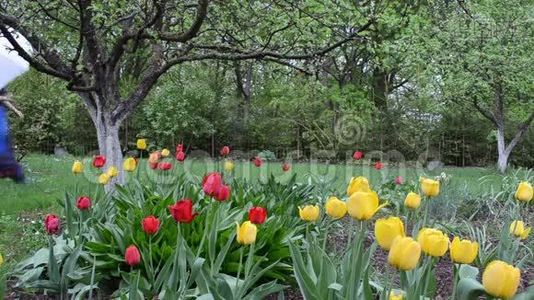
(132, 256)
(378, 165)
(357, 155)
(223, 193)
(150, 225)
(179, 148)
(225, 151)
(180, 156)
(99, 161)
(52, 224)
(399, 180)
(211, 184)
(83, 203)
(182, 211)
(153, 165)
(257, 215)
(257, 161)
(164, 166)
(286, 167)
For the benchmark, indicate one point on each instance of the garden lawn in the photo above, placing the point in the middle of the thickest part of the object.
(48, 177)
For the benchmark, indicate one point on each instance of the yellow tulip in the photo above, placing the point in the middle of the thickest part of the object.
(104, 178)
(165, 152)
(433, 241)
(335, 208)
(524, 192)
(229, 166)
(77, 167)
(309, 213)
(246, 233)
(501, 279)
(463, 251)
(141, 144)
(386, 230)
(358, 184)
(412, 200)
(404, 253)
(429, 187)
(113, 171)
(129, 164)
(396, 295)
(363, 205)
(519, 229)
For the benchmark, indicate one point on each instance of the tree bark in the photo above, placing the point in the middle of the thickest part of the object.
(502, 161)
(107, 132)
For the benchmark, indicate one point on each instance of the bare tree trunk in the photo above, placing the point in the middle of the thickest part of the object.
(109, 145)
(502, 161)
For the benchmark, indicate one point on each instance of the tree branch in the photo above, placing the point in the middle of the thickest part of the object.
(202, 11)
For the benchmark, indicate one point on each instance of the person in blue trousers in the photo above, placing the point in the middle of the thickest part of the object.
(9, 167)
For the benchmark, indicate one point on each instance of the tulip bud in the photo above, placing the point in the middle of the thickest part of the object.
(229, 166)
(113, 171)
(429, 187)
(150, 225)
(396, 295)
(433, 242)
(225, 151)
(77, 167)
(141, 144)
(83, 203)
(378, 165)
(257, 161)
(154, 157)
(500, 279)
(182, 211)
(257, 215)
(357, 155)
(399, 180)
(309, 213)
(335, 208)
(463, 251)
(518, 229)
(132, 256)
(165, 166)
(99, 161)
(165, 152)
(412, 200)
(524, 192)
(52, 224)
(180, 156)
(104, 178)
(363, 205)
(286, 167)
(386, 230)
(129, 164)
(404, 253)
(211, 183)
(223, 193)
(246, 233)
(358, 184)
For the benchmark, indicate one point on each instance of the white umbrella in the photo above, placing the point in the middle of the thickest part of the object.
(11, 64)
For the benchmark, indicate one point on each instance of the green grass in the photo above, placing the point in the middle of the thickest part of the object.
(49, 177)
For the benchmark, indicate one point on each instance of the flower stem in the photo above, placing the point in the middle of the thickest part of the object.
(239, 268)
(455, 270)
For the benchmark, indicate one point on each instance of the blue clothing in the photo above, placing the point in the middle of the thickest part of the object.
(4, 130)
(9, 167)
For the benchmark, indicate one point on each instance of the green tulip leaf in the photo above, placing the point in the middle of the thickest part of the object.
(469, 288)
(467, 271)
